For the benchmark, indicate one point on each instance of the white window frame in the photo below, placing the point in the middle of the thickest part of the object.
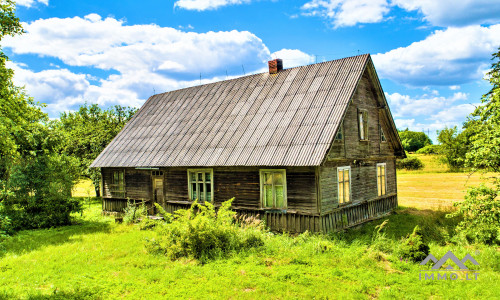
(381, 193)
(285, 195)
(190, 189)
(338, 185)
(363, 125)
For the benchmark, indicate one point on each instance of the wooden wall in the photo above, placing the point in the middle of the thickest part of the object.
(242, 183)
(351, 147)
(363, 181)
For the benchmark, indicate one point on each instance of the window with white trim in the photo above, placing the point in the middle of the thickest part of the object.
(201, 185)
(344, 184)
(273, 188)
(117, 186)
(381, 179)
(363, 124)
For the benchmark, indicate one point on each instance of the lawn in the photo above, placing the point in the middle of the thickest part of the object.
(99, 259)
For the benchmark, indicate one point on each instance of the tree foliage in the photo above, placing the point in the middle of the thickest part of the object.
(88, 131)
(480, 212)
(414, 140)
(454, 146)
(35, 179)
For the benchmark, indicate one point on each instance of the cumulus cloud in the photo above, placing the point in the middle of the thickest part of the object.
(447, 57)
(200, 5)
(293, 57)
(425, 105)
(344, 13)
(30, 3)
(454, 13)
(141, 59)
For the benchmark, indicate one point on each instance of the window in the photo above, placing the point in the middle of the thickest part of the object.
(117, 186)
(273, 188)
(340, 133)
(363, 125)
(344, 184)
(381, 179)
(382, 135)
(157, 173)
(201, 185)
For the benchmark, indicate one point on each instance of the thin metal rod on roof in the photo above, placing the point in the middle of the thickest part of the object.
(226, 74)
(243, 70)
(200, 78)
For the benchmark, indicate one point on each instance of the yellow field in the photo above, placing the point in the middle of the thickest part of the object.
(84, 188)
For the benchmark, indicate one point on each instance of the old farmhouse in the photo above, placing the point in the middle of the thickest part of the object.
(307, 148)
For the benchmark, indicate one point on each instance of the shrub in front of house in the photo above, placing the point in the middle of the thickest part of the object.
(413, 247)
(409, 163)
(202, 232)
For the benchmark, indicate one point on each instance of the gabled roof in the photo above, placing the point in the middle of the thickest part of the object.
(284, 119)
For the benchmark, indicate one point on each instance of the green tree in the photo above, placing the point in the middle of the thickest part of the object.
(454, 146)
(88, 131)
(414, 140)
(35, 179)
(480, 212)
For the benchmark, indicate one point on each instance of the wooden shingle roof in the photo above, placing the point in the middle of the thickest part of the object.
(284, 119)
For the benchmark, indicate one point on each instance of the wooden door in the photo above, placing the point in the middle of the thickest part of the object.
(158, 190)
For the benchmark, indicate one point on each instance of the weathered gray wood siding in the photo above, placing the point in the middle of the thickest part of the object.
(363, 182)
(351, 147)
(361, 156)
(137, 183)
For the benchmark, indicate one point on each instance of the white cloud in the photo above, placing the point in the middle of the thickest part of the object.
(347, 12)
(454, 13)
(30, 3)
(142, 59)
(425, 105)
(206, 4)
(446, 57)
(293, 58)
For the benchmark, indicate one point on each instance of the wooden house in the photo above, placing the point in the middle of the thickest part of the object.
(307, 148)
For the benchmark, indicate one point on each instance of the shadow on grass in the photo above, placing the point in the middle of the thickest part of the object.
(436, 227)
(77, 294)
(26, 241)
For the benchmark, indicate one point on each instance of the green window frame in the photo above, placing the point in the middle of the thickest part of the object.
(273, 194)
(117, 186)
(201, 185)
(381, 179)
(344, 184)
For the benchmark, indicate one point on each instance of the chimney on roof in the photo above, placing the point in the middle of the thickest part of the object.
(275, 66)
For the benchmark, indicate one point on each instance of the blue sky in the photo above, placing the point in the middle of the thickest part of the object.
(431, 56)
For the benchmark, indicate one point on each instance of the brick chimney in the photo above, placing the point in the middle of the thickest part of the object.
(275, 66)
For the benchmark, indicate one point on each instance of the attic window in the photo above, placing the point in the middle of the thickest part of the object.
(363, 125)
(382, 135)
(201, 185)
(340, 133)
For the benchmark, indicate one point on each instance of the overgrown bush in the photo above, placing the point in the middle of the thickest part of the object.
(410, 163)
(413, 247)
(40, 192)
(134, 212)
(203, 233)
(480, 213)
(430, 149)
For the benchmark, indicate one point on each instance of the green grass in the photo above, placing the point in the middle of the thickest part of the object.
(97, 258)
